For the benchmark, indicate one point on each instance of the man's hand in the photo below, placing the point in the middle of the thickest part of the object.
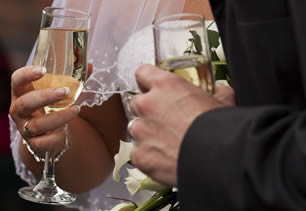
(165, 111)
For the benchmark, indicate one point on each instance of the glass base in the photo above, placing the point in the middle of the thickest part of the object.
(51, 196)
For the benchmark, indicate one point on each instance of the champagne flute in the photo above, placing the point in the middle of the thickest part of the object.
(181, 47)
(62, 49)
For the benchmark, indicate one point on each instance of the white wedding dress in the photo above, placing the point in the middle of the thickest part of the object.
(110, 76)
(138, 50)
(114, 62)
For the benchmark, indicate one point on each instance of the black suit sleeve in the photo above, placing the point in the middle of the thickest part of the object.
(244, 159)
(297, 9)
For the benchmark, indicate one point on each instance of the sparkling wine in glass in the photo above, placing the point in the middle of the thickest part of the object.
(181, 47)
(62, 49)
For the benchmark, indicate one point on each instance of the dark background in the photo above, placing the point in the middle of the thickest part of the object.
(19, 21)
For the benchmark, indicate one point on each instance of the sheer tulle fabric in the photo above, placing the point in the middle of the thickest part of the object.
(120, 39)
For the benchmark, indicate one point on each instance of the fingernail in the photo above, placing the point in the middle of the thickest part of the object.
(76, 109)
(61, 92)
(40, 70)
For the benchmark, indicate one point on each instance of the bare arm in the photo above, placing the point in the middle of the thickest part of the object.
(94, 139)
(199, 6)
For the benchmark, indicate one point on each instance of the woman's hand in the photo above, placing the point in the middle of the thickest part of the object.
(43, 132)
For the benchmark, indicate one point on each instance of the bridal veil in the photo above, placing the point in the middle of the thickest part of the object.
(112, 23)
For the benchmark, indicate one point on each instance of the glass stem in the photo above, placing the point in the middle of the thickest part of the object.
(49, 168)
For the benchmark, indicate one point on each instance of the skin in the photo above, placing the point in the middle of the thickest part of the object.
(157, 123)
(96, 143)
(89, 159)
(199, 7)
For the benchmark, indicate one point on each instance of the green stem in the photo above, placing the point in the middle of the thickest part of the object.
(148, 204)
(162, 202)
(121, 199)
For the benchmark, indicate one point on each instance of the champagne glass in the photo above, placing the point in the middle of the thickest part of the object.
(62, 49)
(181, 47)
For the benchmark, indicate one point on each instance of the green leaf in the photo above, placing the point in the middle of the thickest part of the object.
(213, 38)
(197, 42)
(221, 71)
(214, 56)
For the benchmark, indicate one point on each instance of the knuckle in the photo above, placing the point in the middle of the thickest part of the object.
(143, 68)
(14, 78)
(139, 70)
(144, 161)
(12, 110)
(38, 146)
(138, 158)
(138, 104)
(20, 106)
(34, 127)
(164, 79)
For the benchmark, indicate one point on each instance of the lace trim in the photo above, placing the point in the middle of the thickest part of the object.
(100, 86)
(21, 170)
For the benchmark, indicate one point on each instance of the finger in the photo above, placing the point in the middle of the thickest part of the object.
(50, 142)
(144, 76)
(134, 105)
(44, 124)
(22, 77)
(225, 95)
(141, 157)
(141, 130)
(25, 105)
(130, 124)
(141, 104)
(134, 126)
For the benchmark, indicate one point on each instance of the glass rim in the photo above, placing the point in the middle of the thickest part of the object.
(84, 15)
(156, 23)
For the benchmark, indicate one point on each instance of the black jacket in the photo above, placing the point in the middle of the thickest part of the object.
(253, 157)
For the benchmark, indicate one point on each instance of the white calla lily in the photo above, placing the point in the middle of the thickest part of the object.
(121, 158)
(124, 207)
(137, 181)
(220, 52)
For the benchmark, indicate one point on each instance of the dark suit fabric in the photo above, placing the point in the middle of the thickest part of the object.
(253, 156)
